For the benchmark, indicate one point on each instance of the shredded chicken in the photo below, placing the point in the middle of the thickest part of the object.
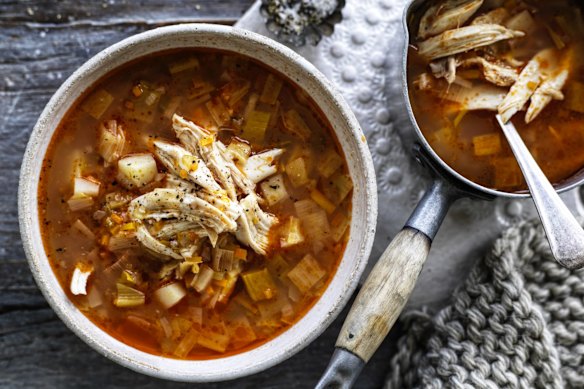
(464, 39)
(446, 16)
(154, 246)
(496, 16)
(254, 225)
(260, 166)
(550, 89)
(494, 73)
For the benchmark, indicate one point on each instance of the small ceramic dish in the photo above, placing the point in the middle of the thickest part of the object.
(350, 137)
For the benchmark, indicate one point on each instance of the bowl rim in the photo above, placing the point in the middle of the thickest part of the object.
(159, 366)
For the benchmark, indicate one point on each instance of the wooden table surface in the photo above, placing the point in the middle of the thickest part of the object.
(41, 44)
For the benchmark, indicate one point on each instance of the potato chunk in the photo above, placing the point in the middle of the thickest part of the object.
(137, 170)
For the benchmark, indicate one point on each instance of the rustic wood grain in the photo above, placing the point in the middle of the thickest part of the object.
(41, 44)
(384, 294)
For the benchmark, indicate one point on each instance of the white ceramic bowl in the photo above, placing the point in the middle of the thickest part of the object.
(352, 142)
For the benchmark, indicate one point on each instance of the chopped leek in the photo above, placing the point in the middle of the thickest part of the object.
(234, 91)
(128, 297)
(337, 187)
(122, 241)
(80, 203)
(169, 295)
(203, 278)
(297, 172)
(523, 21)
(305, 207)
(220, 113)
(306, 273)
(271, 91)
(278, 266)
(294, 123)
(94, 299)
(274, 189)
(316, 225)
(339, 225)
(187, 343)
(575, 96)
(329, 163)
(137, 170)
(255, 125)
(183, 64)
(79, 278)
(291, 233)
(214, 341)
(222, 259)
(259, 284)
(81, 227)
(172, 106)
(250, 106)
(83, 187)
(241, 332)
(112, 141)
(225, 292)
(322, 201)
(244, 300)
(97, 103)
(485, 145)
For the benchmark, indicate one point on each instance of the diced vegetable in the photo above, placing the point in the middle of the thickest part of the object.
(122, 241)
(187, 343)
(171, 106)
(250, 106)
(259, 284)
(260, 166)
(316, 225)
(214, 341)
(244, 300)
(130, 277)
(556, 38)
(291, 233)
(203, 278)
(274, 189)
(305, 207)
(322, 201)
(488, 144)
(137, 170)
(240, 254)
(507, 173)
(297, 172)
(294, 123)
(85, 187)
(339, 225)
(81, 227)
(97, 103)
(306, 273)
(169, 295)
(79, 278)
(234, 91)
(220, 113)
(240, 151)
(241, 332)
(575, 96)
(255, 125)
(271, 90)
(144, 106)
(227, 289)
(128, 297)
(329, 163)
(112, 141)
(522, 22)
(288, 313)
(80, 203)
(94, 299)
(183, 64)
(278, 266)
(222, 259)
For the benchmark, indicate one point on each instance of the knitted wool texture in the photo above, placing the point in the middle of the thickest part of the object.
(517, 322)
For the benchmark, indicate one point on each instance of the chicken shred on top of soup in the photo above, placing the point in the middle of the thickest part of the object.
(194, 204)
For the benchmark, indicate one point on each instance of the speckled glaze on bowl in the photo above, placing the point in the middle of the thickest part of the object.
(351, 140)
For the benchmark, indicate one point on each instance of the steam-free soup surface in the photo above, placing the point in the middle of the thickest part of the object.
(194, 204)
(465, 133)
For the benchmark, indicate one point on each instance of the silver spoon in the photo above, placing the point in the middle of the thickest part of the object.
(564, 233)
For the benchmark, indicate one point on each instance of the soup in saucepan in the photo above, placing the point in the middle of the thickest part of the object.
(524, 59)
(194, 204)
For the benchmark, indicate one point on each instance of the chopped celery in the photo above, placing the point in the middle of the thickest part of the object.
(241, 332)
(297, 172)
(130, 277)
(274, 189)
(80, 203)
(291, 233)
(305, 207)
(203, 278)
(294, 123)
(250, 106)
(81, 227)
(485, 145)
(112, 141)
(183, 64)
(329, 163)
(187, 343)
(306, 273)
(271, 91)
(220, 113)
(337, 187)
(322, 201)
(199, 89)
(254, 128)
(79, 278)
(169, 295)
(278, 266)
(316, 225)
(234, 91)
(137, 170)
(214, 341)
(128, 297)
(339, 225)
(97, 103)
(259, 284)
(222, 259)
(575, 96)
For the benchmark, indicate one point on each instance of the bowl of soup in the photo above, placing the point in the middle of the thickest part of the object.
(197, 202)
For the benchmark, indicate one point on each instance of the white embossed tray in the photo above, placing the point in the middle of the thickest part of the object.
(363, 59)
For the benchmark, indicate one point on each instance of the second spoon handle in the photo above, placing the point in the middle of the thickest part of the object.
(564, 233)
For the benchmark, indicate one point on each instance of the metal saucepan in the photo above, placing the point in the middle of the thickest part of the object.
(390, 283)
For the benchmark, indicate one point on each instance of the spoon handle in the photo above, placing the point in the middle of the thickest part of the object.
(564, 233)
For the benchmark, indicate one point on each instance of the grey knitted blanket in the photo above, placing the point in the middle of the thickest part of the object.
(517, 322)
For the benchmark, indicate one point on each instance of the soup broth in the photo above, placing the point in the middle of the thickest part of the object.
(455, 97)
(194, 204)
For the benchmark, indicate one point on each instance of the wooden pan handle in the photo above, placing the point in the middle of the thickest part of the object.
(384, 294)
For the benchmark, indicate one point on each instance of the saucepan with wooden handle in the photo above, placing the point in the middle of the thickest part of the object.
(390, 283)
